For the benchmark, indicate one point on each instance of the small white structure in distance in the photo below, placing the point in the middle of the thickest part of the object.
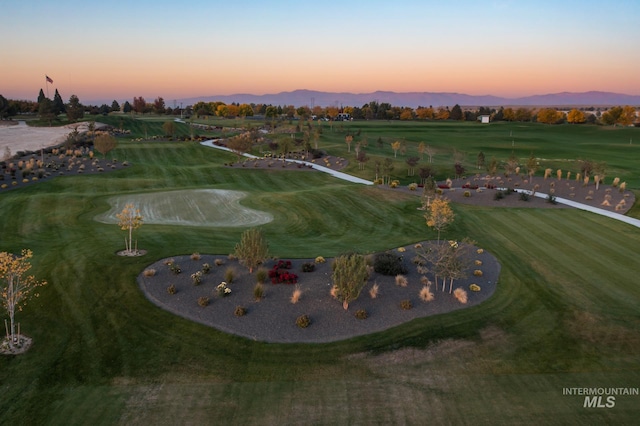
(484, 119)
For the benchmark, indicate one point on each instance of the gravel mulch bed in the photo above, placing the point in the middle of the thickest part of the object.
(273, 319)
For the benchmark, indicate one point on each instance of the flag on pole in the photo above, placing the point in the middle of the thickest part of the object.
(48, 79)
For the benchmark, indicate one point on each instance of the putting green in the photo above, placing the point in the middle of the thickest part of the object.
(194, 207)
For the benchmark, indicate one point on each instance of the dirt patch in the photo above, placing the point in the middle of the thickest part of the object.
(21, 346)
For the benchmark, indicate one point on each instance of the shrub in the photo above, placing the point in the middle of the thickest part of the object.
(394, 184)
(174, 268)
(524, 196)
(320, 259)
(219, 262)
(477, 273)
(425, 294)
(412, 186)
(551, 199)
(149, 272)
(474, 287)
(499, 195)
(303, 321)
(203, 301)
(467, 194)
(223, 290)
(374, 290)
(206, 268)
(480, 251)
(478, 262)
(308, 267)
(460, 295)
(401, 281)
(196, 278)
(406, 304)
(295, 296)
(195, 256)
(229, 274)
(388, 264)
(258, 291)
(417, 246)
(361, 314)
(240, 311)
(172, 289)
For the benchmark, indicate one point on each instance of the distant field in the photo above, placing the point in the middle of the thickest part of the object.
(564, 313)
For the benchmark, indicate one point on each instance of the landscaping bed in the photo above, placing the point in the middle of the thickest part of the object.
(273, 318)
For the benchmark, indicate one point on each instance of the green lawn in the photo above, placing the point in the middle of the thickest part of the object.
(564, 315)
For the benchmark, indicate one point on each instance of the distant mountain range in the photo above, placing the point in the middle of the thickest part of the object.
(310, 98)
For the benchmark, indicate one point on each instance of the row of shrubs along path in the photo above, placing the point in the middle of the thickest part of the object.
(273, 318)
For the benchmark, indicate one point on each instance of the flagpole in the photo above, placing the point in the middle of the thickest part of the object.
(46, 80)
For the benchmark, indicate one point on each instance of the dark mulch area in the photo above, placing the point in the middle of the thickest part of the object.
(567, 189)
(12, 173)
(273, 319)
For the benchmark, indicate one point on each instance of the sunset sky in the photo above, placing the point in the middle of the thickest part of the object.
(102, 51)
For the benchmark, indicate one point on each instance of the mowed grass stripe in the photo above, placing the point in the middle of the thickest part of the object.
(545, 246)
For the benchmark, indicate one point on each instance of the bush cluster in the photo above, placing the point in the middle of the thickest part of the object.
(280, 274)
(361, 314)
(240, 311)
(406, 304)
(308, 267)
(303, 321)
(389, 264)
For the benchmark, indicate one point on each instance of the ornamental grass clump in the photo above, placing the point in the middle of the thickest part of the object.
(425, 294)
(474, 287)
(203, 301)
(477, 273)
(219, 262)
(460, 295)
(320, 259)
(172, 289)
(195, 256)
(149, 272)
(240, 311)
(295, 296)
(261, 275)
(374, 291)
(401, 281)
(206, 268)
(229, 274)
(258, 291)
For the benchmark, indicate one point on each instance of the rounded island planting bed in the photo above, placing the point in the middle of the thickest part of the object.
(191, 286)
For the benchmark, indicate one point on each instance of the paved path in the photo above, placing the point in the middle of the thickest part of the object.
(339, 175)
(344, 176)
(596, 210)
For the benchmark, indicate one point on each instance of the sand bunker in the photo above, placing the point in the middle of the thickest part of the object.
(197, 207)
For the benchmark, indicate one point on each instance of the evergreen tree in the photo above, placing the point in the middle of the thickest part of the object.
(456, 113)
(75, 110)
(41, 97)
(127, 107)
(58, 103)
(115, 106)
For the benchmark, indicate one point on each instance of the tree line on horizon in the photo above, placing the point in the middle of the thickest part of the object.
(50, 109)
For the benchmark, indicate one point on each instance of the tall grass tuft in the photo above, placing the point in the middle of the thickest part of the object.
(258, 291)
(460, 294)
(149, 272)
(229, 275)
(425, 294)
(295, 296)
(401, 281)
(374, 290)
